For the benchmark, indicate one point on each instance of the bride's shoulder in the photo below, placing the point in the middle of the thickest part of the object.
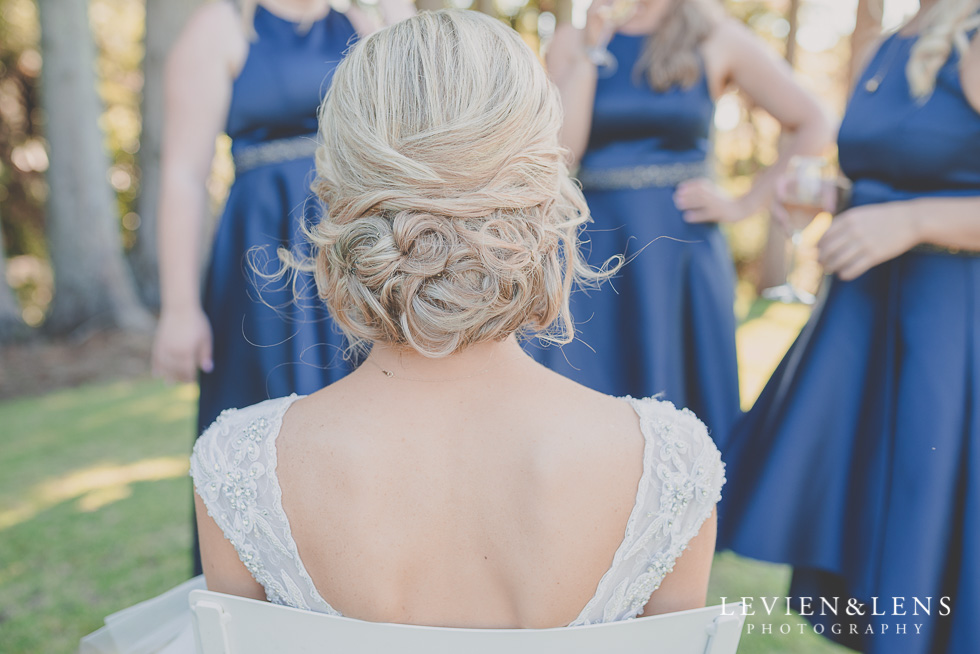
(243, 429)
(678, 436)
(664, 414)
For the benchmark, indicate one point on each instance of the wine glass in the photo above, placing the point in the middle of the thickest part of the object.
(613, 14)
(807, 188)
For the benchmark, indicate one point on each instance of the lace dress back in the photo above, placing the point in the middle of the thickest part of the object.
(234, 471)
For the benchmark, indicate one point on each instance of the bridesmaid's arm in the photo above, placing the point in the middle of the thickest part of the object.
(575, 76)
(224, 572)
(734, 55)
(970, 74)
(948, 222)
(863, 237)
(198, 76)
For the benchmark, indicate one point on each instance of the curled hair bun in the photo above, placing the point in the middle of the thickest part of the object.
(451, 219)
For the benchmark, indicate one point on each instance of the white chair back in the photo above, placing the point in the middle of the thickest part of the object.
(227, 624)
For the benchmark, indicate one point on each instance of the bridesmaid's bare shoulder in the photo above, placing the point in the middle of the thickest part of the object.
(214, 32)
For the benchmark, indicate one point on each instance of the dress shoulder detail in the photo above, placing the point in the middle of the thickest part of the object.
(678, 490)
(234, 471)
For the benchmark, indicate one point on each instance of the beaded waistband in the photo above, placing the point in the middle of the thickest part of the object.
(636, 177)
(931, 248)
(273, 152)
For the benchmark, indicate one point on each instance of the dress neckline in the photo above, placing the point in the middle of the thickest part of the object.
(606, 578)
(702, 65)
(294, 23)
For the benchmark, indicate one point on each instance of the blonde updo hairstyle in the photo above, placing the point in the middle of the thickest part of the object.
(451, 218)
(945, 26)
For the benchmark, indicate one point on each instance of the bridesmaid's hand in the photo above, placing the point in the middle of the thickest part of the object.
(602, 20)
(793, 215)
(863, 237)
(703, 201)
(182, 344)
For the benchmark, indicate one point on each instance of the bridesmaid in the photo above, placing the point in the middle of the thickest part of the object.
(256, 71)
(860, 462)
(642, 134)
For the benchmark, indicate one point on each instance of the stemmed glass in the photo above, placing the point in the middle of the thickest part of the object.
(807, 187)
(613, 14)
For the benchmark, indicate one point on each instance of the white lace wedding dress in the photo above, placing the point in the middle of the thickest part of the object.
(234, 471)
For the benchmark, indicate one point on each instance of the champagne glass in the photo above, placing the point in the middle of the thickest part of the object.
(613, 14)
(807, 188)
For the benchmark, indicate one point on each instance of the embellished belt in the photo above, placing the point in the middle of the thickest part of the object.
(273, 152)
(636, 177)
(931, 248)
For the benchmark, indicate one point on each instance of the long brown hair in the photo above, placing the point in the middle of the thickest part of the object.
(670, 55)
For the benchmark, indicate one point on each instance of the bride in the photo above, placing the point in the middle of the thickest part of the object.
(451, 480)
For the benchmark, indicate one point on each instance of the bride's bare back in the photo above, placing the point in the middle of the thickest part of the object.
(495, 500)
(508, 491)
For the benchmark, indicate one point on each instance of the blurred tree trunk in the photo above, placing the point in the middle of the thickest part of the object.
(773, 269)
(164, 20)
(429, 5)
(12, 326)
(93, 285)
(867, 28)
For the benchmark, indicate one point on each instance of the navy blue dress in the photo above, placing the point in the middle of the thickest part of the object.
(269, 342)
(860, 463)
(665, 323)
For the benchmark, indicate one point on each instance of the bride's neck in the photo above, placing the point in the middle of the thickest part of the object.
(475, 361)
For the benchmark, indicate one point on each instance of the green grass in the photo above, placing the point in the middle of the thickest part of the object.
(95, 505)
(94, 508)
